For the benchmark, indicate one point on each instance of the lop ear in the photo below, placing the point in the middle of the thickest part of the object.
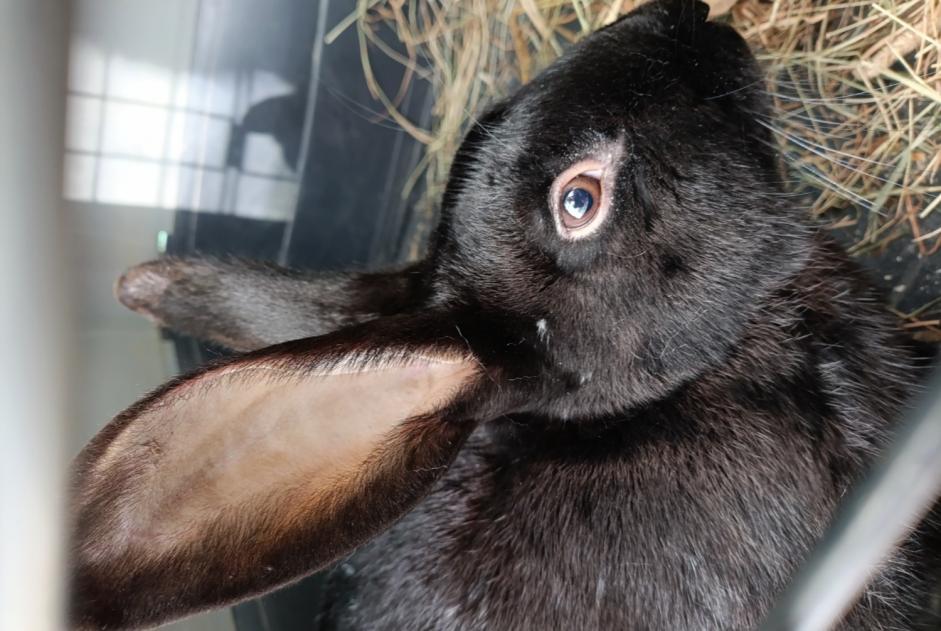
(680, 19)
(260, 470)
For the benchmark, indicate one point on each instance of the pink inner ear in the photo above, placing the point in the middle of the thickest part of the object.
(253, 474)
(230, 441)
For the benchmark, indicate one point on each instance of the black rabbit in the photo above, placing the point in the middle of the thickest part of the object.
(626, 390)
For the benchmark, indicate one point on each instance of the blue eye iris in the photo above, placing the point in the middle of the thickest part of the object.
(577, 202)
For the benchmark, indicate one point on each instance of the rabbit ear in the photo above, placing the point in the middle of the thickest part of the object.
(683, 12)
(258, 471)
(247, 305)
(679, 18)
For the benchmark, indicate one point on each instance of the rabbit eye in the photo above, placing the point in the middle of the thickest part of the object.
(578, 199)
(579, 202)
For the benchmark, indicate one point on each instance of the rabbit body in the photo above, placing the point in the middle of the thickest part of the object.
(688, 513)
(669, 381)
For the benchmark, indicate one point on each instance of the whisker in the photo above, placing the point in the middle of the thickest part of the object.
(821, 178)
(816, 148)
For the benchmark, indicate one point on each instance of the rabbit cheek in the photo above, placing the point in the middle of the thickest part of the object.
(581, 258)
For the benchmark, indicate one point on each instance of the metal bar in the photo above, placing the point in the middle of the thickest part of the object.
(883, 510)
(34, 322)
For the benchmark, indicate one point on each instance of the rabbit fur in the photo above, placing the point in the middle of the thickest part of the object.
(675, 405)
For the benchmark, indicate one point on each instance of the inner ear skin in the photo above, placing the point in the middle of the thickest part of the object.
(259, 471)
(139, 590)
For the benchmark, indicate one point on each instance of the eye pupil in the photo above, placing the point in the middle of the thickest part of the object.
(577, 199)
(577, 202)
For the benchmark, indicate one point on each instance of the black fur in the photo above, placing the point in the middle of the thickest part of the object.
(691, 511)
(678, 403)
(714, 377)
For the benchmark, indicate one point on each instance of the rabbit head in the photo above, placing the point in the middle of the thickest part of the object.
(619, 215)
(605, 235)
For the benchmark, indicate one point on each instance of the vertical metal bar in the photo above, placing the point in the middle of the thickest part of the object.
(313, 91)
(34, 321)
(895, 497)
